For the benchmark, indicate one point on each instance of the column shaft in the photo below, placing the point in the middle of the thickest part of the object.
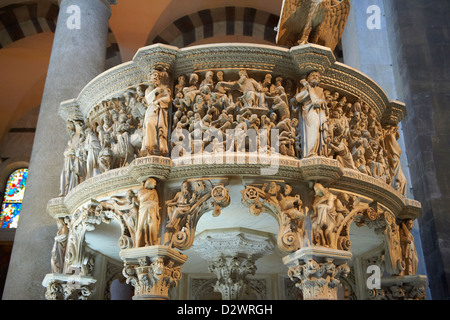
(78, 55)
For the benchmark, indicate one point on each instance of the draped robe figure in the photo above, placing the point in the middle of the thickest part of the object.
(408, 247)
(313, 116)
(70, 173)
(93, 148)
(59, 247)
(155, 126)
(394, 151)
(325, 216)
(147, 231)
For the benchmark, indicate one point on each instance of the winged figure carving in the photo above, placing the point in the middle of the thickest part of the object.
(312, 21)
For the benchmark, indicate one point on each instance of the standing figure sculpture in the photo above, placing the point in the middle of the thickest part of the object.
(147, 231)
(393, 154)
(313, 116)
(324, 216)
(59, 247)
(93, 148)
(70, 175)
(155, 126)
(409, 252)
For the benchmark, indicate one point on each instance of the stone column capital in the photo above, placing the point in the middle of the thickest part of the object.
(232, 253)
(68, 287)
(317, 270)
(152, 270)
(400, 288)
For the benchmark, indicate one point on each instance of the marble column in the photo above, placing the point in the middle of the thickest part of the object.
(78, 55)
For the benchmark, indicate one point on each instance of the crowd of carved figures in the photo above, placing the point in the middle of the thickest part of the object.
(329, 217)
(310, 121)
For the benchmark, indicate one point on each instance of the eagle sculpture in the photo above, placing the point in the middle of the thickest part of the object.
(312, 21)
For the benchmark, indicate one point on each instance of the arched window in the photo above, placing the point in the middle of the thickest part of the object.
(12, 199)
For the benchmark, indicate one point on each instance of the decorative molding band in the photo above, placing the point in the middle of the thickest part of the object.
(313, 169)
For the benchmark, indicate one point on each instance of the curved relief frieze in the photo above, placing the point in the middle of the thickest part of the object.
(229, 110)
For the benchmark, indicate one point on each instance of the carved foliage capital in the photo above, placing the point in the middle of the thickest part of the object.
(318, 280)
(231, 273)
(152, 270)
(400, 288)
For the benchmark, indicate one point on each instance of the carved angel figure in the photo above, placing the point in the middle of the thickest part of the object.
(312, 21)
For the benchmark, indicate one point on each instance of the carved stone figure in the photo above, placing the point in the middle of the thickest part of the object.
(179, 206)
(287, 208)
(313, 116)
(312, 21)
(339, 151)
(106, 155)
(72, 170)
(252, 91)
(93, 147)
(292, 214)
(393, 152)
(59, 247)
(408, 248)
(128, 208)
(195, 198)
(123, 148)
(147, 231)
(324, 217)
(155, 127)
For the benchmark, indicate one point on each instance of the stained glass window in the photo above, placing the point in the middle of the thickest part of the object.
(12, 199)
